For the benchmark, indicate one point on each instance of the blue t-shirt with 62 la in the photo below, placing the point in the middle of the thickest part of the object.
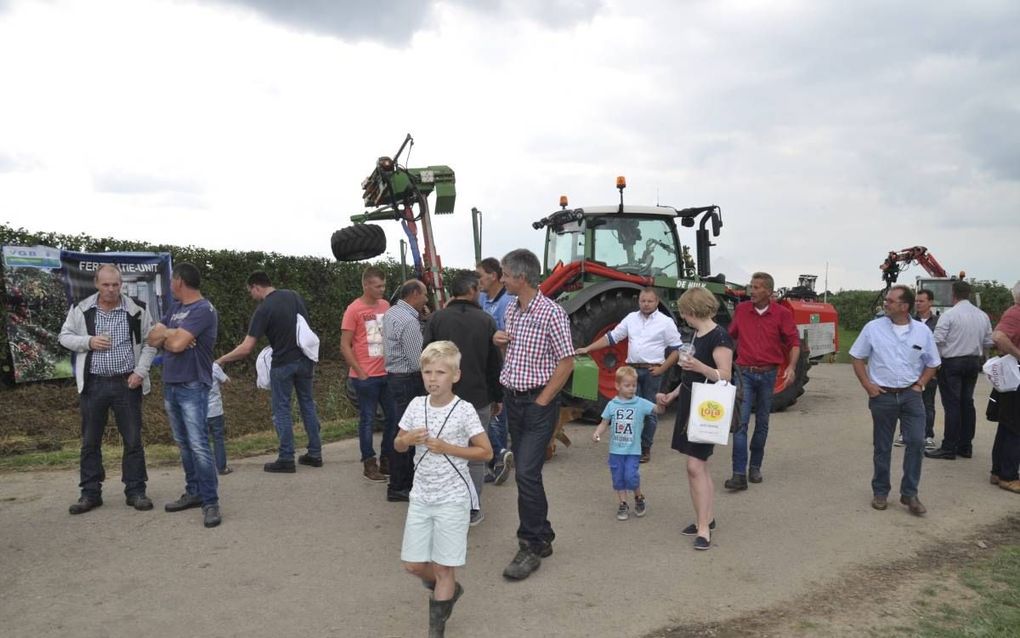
(626, 421)
(195, 363)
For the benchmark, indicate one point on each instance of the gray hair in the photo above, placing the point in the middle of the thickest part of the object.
(1016, 292)
(766, 279)
(523, 263)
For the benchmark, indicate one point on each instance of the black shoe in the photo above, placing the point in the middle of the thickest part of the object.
(738, 482)
(140, 502)
(702, 543)
(311, 461)
(211, 515)
(85, 504)
(692, 529)
(524, 564)
(940, 454)
(185, 502)
(965, 453)
(397, 496)
(282, 467)
(754, 475)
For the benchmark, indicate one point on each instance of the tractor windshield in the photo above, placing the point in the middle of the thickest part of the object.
(637, 245)
(566, 247)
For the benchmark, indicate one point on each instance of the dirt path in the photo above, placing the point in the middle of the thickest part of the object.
(316, 553)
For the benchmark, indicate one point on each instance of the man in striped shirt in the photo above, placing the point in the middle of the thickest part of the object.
(402, 343)
(962, 334)
(539, 359)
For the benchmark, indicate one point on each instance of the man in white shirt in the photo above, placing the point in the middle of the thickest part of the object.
(962, 334)
(649, 334)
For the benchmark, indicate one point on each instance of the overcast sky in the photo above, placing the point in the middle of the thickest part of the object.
(827, 132)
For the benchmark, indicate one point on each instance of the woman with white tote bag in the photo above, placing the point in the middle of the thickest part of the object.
(712, 361)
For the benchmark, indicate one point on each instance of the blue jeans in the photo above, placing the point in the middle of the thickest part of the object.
(282, 379)
(497, 436)
(957, 378)
(624, 468)
(908, 407)
(647, 386)
(373, 392)
(758, 388)
(531, 428)
(186, 407)
(403, 388)
(215, 425)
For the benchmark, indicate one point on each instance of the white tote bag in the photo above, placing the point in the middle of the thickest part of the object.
(1003, 372)
(307, 340)
(711, 412)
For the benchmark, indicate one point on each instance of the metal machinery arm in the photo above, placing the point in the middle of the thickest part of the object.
(891, 266)
(395, 190)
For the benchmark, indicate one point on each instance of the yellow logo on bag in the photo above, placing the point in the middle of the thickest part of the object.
(711, 410)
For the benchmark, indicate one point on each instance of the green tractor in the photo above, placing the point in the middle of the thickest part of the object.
(597, 260)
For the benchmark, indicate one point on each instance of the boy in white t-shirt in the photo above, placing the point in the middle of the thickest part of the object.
(446, 433)
(214, 420)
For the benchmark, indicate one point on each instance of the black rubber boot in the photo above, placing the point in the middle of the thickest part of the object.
(439, 611)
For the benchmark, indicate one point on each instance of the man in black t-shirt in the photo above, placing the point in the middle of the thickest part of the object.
(276, 319)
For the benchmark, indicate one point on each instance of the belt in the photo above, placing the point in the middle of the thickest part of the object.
(646, 366)
(523, 394)
(965, 356)
(758, 369)
(404, 374)
(897, 390)
(121, 375)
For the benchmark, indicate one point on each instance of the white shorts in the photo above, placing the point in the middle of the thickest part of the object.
(436, 533)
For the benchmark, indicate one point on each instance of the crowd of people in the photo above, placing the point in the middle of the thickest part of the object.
(470, 394)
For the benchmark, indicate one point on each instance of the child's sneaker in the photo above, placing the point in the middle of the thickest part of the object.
(639, 506)
(622, 512)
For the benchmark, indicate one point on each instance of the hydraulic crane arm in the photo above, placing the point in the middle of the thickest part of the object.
(892, 265)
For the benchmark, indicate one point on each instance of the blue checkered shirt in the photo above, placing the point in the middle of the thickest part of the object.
(120, 358)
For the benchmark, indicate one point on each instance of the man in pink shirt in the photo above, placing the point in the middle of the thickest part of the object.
(361, 343)
(763, 330)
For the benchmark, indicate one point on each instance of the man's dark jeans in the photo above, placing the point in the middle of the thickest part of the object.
(1006, 454)
(648, 386)
(372, 393)
(758, 388)
(928, 397)
(957, 378)
(101, 395)
(403, 388)
(295, 377)
(907, 407)
(531, 428)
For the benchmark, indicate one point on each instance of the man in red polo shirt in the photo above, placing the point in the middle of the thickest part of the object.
(763, 330)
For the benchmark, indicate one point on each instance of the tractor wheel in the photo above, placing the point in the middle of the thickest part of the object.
(786, 397)
(592, 321)
(361, 241)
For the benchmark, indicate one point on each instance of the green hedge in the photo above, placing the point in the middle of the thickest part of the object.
(327, 286)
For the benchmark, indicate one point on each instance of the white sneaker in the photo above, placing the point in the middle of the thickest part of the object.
(899, 440)
(929, 444)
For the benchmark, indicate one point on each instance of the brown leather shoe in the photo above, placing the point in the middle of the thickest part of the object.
(1010, 486)
(914, 504)
(384, 465)
(879, 503)
(994, 479)
(372, 471)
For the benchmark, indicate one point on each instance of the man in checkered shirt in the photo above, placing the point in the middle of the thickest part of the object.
(539, 359)
(107, 332)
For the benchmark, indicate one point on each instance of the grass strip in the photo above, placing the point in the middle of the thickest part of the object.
(995, 613)
(163, 454)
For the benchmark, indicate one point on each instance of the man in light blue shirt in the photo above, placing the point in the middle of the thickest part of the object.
(494, 299)
(894, 357)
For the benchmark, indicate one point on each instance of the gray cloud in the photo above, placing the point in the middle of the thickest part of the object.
(395, 22)
(127, 183)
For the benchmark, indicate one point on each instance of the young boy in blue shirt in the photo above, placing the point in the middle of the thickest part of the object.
(626, 414)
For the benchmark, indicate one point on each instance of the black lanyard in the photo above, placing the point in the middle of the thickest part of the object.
(474, 504)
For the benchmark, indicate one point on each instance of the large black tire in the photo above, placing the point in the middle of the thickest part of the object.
(790, 394)
(589, 322)
(361, 241)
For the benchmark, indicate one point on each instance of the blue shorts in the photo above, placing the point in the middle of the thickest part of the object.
(624, 468)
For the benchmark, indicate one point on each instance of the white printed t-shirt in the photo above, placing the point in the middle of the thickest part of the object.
(435, 480)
